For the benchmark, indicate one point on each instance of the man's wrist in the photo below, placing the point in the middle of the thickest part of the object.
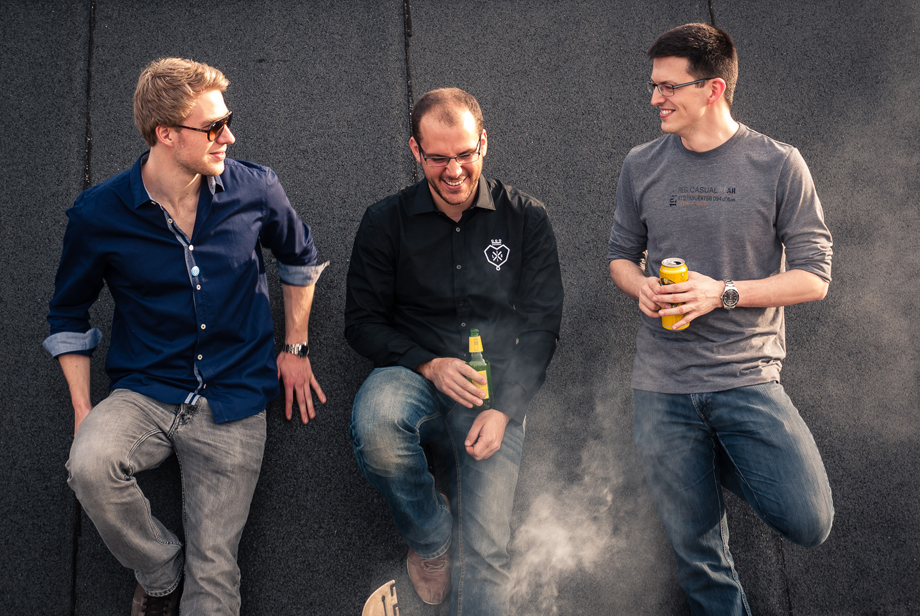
(427, 365)
(730, 295)
(82, 406)
(300, 349)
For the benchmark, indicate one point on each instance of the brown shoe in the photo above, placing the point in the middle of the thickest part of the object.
(145, 605)
(430, 576)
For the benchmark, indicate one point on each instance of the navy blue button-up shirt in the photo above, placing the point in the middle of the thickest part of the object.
(192, 315)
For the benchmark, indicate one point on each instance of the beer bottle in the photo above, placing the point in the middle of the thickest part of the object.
(481, 365)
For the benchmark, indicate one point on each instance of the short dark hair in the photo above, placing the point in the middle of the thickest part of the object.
(448, 103)
(710, 51)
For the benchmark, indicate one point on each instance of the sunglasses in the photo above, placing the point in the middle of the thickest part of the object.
(215, 128)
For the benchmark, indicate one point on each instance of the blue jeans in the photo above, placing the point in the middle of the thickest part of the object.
(129, 432)
(395, 413)
(750, 440)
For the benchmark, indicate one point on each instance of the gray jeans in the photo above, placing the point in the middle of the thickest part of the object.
(127, 433)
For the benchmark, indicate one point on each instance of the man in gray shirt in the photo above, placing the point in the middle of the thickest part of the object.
(709, 409)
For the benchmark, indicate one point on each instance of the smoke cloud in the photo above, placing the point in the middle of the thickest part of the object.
(566, 531)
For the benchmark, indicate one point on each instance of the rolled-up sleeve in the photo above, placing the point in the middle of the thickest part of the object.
(72, 342)
(76, 287)
(300, 275)
(289, 238)
(800, 220)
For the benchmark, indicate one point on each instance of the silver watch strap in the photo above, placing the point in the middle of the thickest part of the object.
(301, 349)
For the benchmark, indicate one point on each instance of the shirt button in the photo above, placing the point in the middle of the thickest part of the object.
(461, 303)
(169, 220)
(458, 267)
(190, 247)
(195, 270)
(198, 286)
(199, 357)
(458, 229)
(463, 325)
(203, 326)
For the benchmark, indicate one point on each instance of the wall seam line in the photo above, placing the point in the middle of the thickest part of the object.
(88, 143)
(712, 15)
(410, 94)
(87, 182)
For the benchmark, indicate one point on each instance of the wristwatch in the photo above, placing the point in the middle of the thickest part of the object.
(301, 349)
(730, 295)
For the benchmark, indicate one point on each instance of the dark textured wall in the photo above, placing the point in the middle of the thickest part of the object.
(320, 93)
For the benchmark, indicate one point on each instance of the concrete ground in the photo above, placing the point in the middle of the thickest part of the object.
(320, 92)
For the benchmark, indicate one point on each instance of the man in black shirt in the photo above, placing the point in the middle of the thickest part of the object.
(452, 253)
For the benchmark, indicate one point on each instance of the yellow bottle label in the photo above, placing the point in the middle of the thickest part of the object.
(476, 345)
(484, 388)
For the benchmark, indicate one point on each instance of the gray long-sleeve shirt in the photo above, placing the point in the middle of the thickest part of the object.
(729, 212)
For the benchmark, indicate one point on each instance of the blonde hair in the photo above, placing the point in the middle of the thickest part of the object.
(167, 91)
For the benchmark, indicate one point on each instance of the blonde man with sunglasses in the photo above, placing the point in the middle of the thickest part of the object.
(178, 241)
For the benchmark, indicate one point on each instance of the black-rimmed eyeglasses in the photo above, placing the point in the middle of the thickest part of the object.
(668, 90)
(215, 128)
(443, 161)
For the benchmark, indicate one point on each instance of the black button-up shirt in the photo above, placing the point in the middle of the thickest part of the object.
(419, 281)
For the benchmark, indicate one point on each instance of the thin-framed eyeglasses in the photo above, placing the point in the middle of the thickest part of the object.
(215, 128)
(443, 161)
(668, 90)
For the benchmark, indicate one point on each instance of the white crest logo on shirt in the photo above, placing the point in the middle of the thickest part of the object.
(497, 254)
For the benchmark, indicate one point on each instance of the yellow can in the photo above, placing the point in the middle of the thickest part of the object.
(673, 271)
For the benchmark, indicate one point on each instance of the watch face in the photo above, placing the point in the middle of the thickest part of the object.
(300, 350)
(730, 298)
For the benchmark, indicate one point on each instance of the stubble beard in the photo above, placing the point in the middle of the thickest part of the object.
(203, 167)
(199, 166)
(473, 180)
